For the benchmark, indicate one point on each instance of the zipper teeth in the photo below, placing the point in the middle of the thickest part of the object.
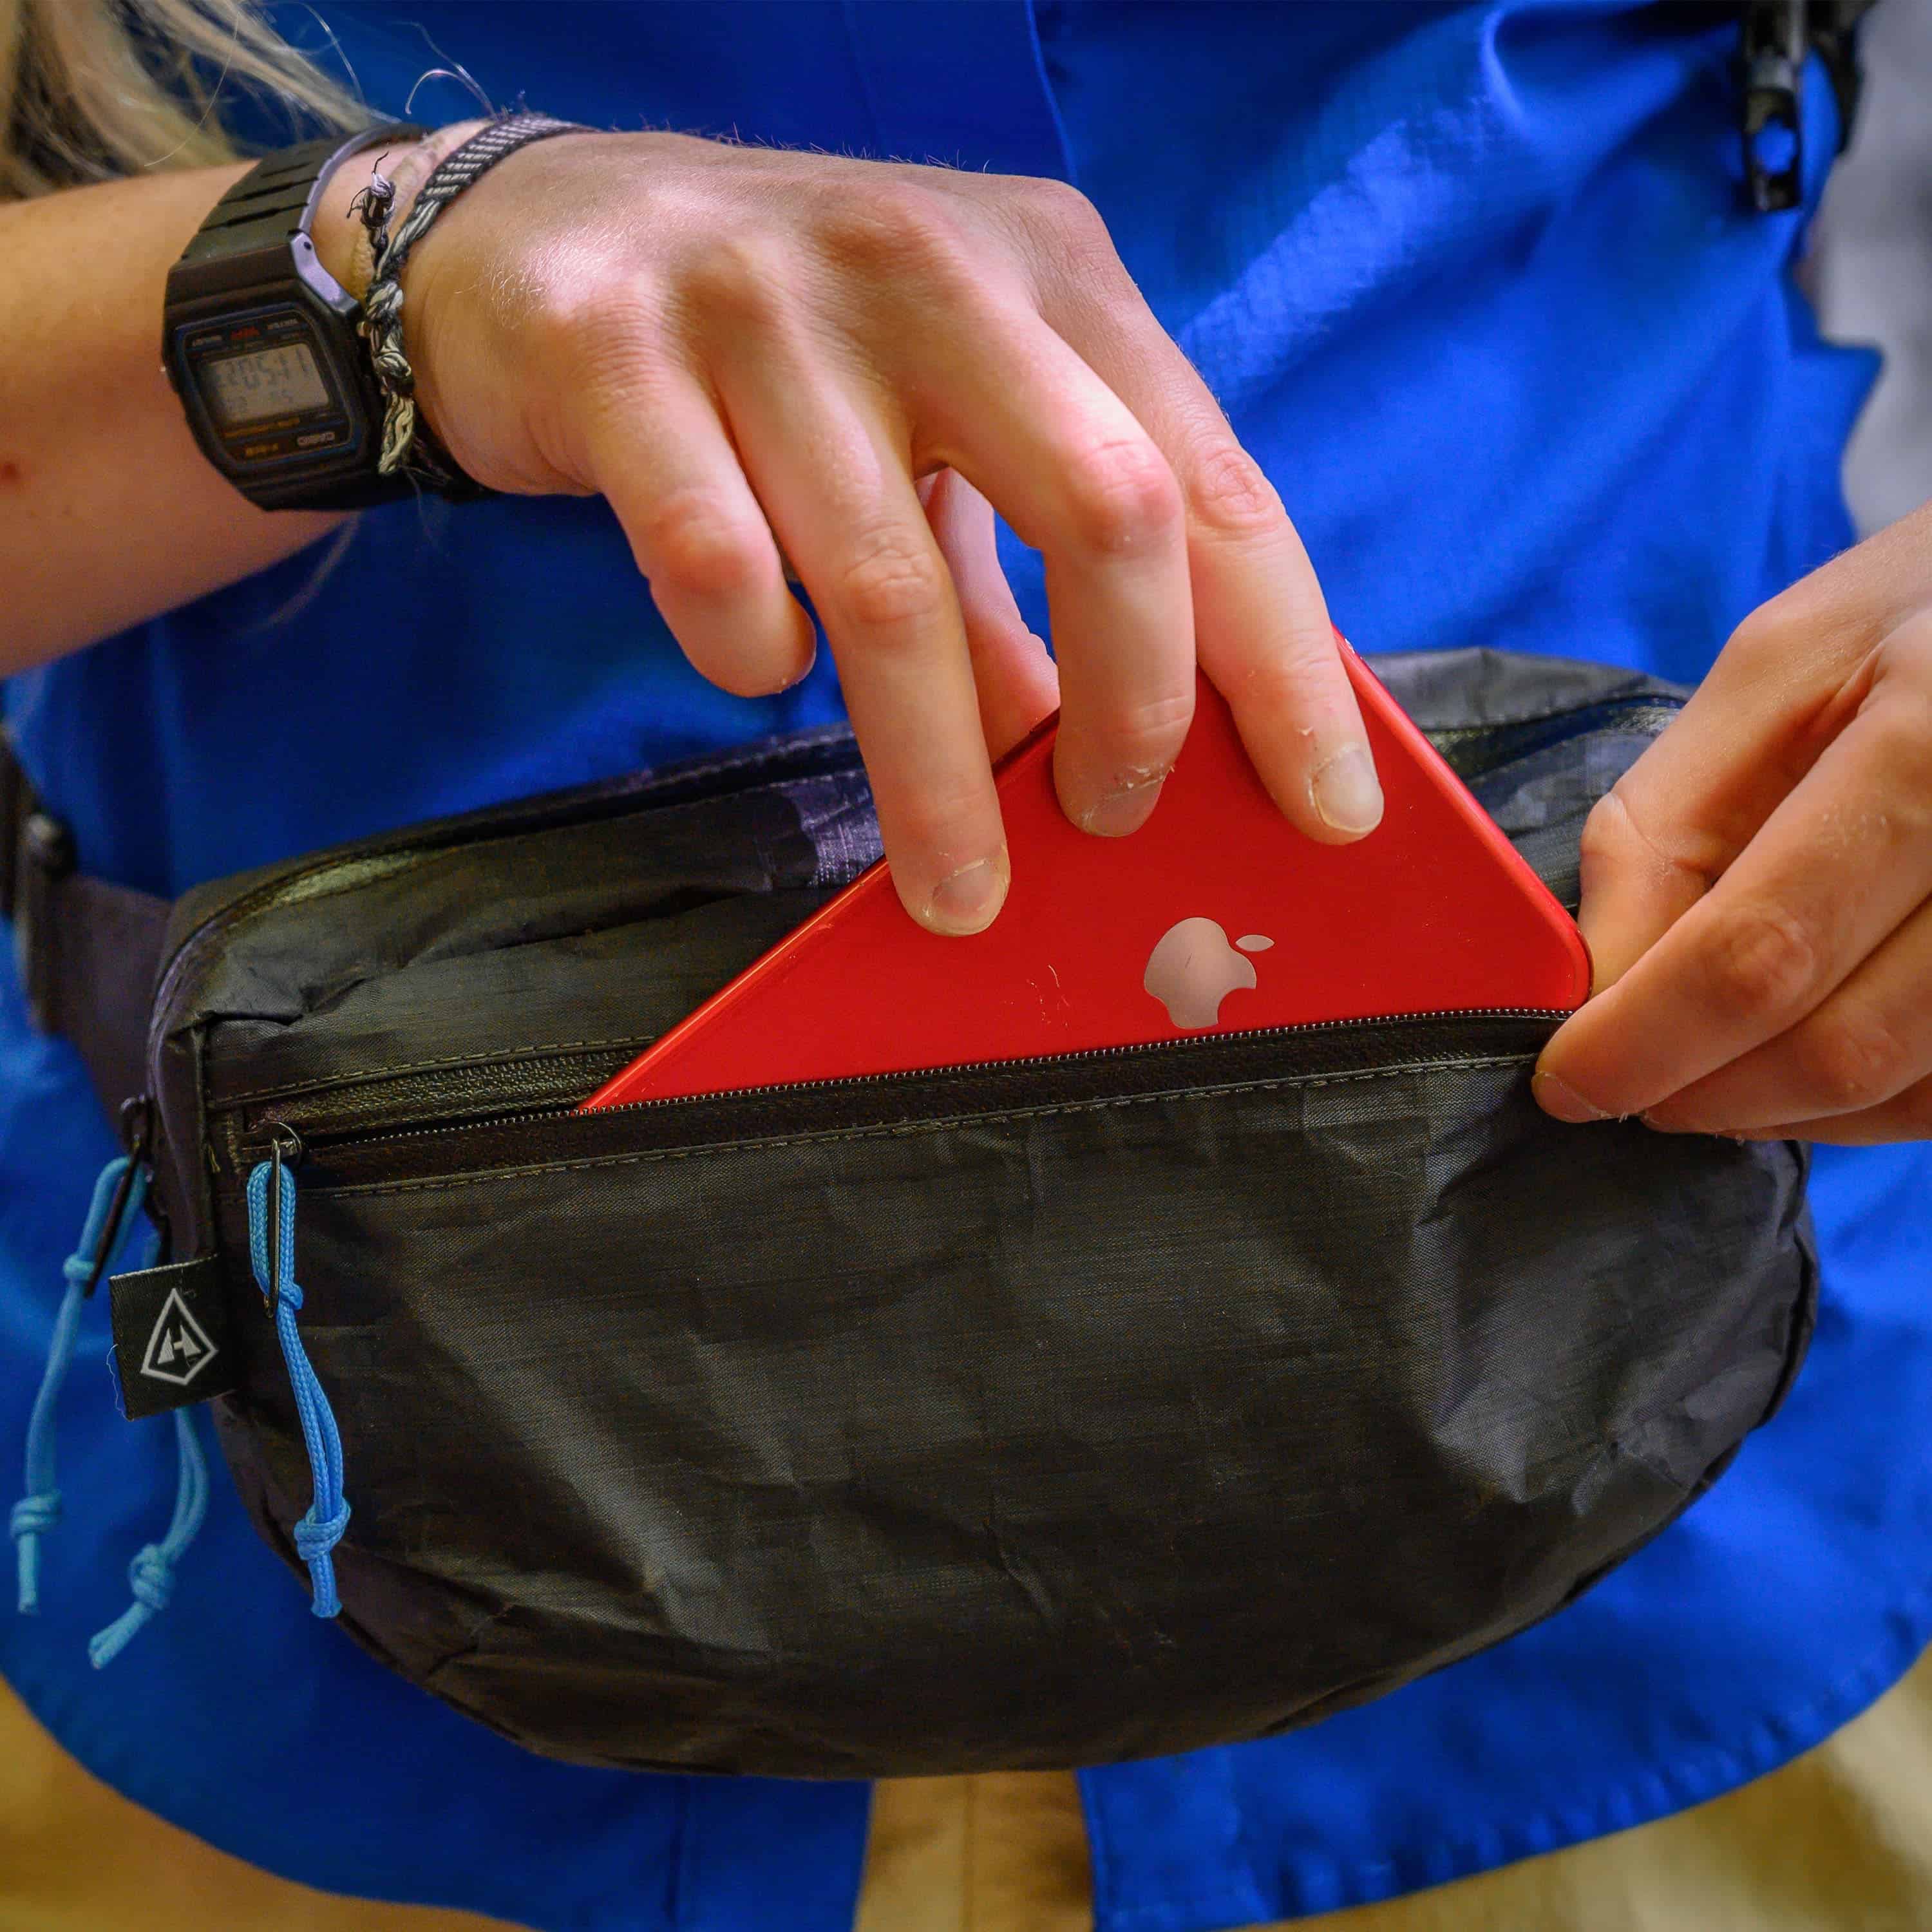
(857, 1081)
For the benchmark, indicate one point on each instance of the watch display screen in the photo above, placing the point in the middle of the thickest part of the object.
(277, 381)
(266, 389)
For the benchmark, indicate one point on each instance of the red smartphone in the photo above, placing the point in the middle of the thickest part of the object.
(1216, 916)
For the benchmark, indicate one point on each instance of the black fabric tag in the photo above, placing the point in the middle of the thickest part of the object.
(171, 1336)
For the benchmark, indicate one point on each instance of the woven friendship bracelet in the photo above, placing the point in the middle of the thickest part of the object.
(406, 443)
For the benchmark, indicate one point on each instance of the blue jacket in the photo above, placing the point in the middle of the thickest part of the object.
(1476, 285)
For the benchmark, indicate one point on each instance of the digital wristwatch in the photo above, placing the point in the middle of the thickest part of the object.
(260, 341)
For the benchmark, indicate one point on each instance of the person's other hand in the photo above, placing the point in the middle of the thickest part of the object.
(743, 349)
(1757, 889)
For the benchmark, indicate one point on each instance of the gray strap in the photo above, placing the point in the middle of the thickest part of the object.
(88, 950)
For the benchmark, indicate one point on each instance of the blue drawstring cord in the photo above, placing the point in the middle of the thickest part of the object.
(320, 1528)
(151, 1574)
(118, 1195)
(39, 1509)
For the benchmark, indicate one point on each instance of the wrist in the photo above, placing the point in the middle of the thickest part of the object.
(341, 241)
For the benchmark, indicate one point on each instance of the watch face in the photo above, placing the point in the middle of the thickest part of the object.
(281, 385)
(267, 390)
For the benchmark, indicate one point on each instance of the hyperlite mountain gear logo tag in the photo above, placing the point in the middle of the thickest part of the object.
(171, 1336)
(179, 1349)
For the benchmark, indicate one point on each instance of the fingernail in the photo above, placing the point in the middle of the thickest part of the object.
(1564, 1102)
(965, 901)
(1126, 809)
(1678, 1124)
(1346, 793)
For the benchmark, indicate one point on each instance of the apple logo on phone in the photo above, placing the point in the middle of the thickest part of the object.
(1192, 969)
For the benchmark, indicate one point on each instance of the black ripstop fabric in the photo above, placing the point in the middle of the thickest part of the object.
(1036, 1416)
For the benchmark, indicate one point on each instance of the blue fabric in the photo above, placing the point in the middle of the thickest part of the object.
(1477, 285)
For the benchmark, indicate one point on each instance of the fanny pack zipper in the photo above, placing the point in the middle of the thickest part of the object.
(850, 1103)
(1473, 751)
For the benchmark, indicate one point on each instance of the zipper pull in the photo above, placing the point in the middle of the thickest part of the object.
(138, 1136)
(130, 1189)
(272, 1243)
(285, 1151)
(137, 1126)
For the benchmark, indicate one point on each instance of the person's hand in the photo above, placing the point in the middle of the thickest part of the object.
(1757, 889)
(743, 349)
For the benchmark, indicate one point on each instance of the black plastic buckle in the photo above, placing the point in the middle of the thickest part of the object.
(1772, 56)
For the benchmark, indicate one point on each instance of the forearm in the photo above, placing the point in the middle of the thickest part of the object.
(109, 512)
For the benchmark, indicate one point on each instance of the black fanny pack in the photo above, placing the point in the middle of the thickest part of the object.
(1040, 1414)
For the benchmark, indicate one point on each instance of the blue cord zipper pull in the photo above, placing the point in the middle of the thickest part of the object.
(271, 1250)
(118, 1195)
(152, 1575)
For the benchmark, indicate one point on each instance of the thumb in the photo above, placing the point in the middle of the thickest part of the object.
(1780, 690)
(1665, 833)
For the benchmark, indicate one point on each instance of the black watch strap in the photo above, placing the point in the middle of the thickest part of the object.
(275, 200)
(256, 237)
